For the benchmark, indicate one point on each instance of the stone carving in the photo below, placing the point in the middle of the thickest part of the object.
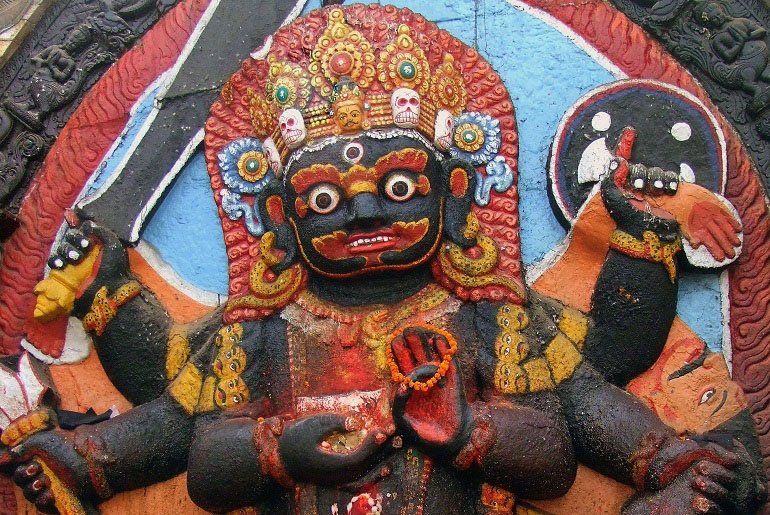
(726, 44)
(50, 78)
(418, 297)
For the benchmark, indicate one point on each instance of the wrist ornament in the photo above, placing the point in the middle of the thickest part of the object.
(91, 447)
(265, 439)
(649, 248)
(481, 438)
(104, 306)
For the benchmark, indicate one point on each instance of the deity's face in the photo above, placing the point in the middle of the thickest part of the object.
(349, 117)
(366, 205)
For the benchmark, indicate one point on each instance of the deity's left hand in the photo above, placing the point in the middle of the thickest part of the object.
(642, 198)
(721, 471)
(439, 419)
(308, 458)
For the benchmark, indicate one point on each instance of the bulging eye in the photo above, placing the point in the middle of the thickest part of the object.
(323, 199)
(399, 187)
(708, 394)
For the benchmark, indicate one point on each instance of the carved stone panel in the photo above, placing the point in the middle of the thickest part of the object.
(499, 257)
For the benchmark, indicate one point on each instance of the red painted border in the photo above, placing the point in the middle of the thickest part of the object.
(80, 147)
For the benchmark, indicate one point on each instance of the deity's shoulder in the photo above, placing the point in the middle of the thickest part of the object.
(530, 347)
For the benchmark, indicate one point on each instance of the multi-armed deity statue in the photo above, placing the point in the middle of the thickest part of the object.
(379, 351)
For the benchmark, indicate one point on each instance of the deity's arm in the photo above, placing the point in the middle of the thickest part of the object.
(529, 450)
(522, 442)
(609, 426)
(143, 446)
(138, 343)
(234, 459)
(635, 296)
(225, 465)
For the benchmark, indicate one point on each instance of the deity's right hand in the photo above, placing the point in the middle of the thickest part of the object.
(328, 449)
(88, 258)
(50, 471)
(722, 475)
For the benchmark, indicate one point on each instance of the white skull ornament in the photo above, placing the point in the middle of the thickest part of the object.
(272, 155)
(292, 127)
(405, 104)
(444, 130)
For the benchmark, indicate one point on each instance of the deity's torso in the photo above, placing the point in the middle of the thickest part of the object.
(317, 357)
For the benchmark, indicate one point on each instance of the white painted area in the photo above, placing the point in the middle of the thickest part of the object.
(261, 52)
(595, 162)
(77, 346)
(686, 173)
(727, 343)
(601, 121)
(169, 275)
(681, 131)
(570, 34)
(20, 391)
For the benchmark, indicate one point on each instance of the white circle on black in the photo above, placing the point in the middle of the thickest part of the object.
(601, 121)
(681, 131)
(353, 152)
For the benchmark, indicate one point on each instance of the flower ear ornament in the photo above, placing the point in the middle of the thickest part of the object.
(247, 165)
(499, 176)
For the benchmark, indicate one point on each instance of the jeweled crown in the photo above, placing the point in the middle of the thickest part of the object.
(392, 85)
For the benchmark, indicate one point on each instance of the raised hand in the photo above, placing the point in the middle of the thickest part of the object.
(704, 219)
(437, 418)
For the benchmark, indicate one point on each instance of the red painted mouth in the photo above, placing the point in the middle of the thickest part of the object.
(377, 241)
(399, 236)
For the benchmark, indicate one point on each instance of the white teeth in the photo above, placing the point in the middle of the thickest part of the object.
(369, 241)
